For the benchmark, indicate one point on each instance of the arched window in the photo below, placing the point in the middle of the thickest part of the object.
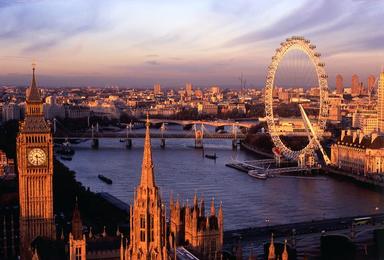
(142, 228)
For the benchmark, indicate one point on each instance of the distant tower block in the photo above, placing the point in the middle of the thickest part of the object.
(339, 84)
(380, 103)
(189, 89)
(355, 87)
(157, 89)
(371, 84)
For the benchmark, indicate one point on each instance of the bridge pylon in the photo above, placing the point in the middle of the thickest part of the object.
(162, 142)
(95, 140)
(54, 125)
(128, 141)
(199, 135)
(235, 142)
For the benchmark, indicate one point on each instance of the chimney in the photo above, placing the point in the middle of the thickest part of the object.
(343, 133)
(373, 136)
(354, 134)
(361, 136)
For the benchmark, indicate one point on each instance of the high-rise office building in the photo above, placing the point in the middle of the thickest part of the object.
(157, 89)
(371, 83)
(188, 89)
(355, 87)
(380, 103)
(339, 84)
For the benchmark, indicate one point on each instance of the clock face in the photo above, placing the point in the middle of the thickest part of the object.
(37, 157)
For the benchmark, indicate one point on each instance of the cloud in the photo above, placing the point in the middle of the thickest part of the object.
(307, 17)
(180, 38)
(42, 24)
(360, 44)
(152, 56)
(152, 62)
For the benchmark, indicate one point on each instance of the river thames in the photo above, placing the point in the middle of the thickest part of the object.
(247, 202)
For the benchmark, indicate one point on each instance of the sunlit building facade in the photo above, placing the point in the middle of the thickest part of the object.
(371, 83)
(358, 153)
(190, 226)
(365, 120)
(355, 87)
(339, 84)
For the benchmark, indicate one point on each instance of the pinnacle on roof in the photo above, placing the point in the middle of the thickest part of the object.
(33, 93)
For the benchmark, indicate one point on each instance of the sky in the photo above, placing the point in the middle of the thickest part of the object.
(136, 43)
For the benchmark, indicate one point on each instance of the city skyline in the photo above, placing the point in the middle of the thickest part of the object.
(203, 129)
(135, 44)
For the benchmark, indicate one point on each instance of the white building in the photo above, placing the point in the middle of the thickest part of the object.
(207, 109)
(52, 109)
(366, 120)
(10, 111)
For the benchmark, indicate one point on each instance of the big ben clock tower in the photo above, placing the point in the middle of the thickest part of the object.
(35, 167)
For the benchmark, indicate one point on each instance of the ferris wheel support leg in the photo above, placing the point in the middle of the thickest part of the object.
(308, 125)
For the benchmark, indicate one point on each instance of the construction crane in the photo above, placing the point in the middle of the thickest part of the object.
(243, 81)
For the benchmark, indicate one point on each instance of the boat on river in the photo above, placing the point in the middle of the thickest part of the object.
(66, 157)
(211, 156)
(258, 174)
(66, 149)
(105, 179)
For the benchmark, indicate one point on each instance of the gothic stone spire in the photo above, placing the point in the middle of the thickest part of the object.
(271, 250)
(77, 226)
(284, 256)
(147, 176)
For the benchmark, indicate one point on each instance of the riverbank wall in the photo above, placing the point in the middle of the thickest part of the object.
(255, 150)
(366, 181)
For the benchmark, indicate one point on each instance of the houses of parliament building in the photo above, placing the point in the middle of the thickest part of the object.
(150, 235)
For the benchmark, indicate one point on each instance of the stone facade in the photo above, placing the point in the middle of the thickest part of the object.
(201, 233)
(359, 153)
(77, 240)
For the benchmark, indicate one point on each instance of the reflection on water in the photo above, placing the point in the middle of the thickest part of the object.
(246, 201)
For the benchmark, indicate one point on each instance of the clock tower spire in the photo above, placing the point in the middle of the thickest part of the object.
(35, 168)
